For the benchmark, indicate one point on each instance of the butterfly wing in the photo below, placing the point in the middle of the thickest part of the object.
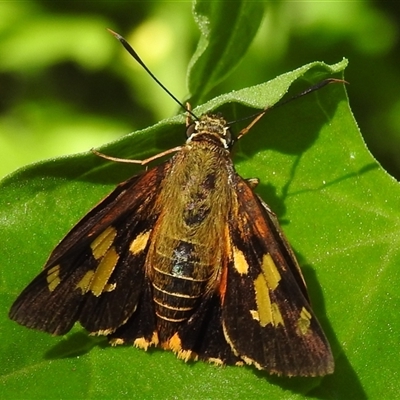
(257, 311)
(266, 315)
(95, 274)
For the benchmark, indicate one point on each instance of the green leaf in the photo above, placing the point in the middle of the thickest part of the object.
(315, 173)
(227, 30)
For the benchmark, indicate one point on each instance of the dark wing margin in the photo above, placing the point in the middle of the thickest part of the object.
(95, 274)
(267, 317)
(202, 336)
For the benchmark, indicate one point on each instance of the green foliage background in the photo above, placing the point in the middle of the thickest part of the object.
(68, 86)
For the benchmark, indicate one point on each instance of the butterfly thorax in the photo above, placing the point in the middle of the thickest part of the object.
(184, 262)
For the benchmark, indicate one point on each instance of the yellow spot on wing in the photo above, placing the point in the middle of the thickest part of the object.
(103, 242)
(139, 243)
(270, 271)
(239, 261)
(97, 281)
(263, 300)
(104, 271)
(254, 315)
(84, 283)
(276, 315)
(268, 312)
(109, 287)
(53, 277)
(303, 323)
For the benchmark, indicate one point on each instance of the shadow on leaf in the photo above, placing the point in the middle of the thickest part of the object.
(75, 345)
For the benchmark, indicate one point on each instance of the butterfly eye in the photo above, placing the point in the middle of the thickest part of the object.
(190, 130)
(228, 137)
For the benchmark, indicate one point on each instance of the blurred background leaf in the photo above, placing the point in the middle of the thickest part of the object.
(66, 86)
(228, 45)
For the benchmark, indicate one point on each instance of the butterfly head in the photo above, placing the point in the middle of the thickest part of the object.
(212, 126)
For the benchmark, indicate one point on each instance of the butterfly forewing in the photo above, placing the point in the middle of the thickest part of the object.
(266, 296)
(95, 274)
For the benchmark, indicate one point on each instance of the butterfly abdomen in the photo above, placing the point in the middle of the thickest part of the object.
(184, 260)
(178, 284)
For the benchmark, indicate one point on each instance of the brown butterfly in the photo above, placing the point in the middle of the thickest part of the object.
(187, 257)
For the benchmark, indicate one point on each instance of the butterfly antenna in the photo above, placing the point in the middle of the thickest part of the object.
(257, 116)
(133, 53)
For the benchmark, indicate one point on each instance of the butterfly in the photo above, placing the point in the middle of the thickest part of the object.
(187, 257)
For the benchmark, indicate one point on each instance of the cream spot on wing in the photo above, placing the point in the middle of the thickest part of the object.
(103, 332)
(116, 342)
(215, 361)
(109, 287)
(144, 344)
(139, 243)
(239, 261)
(254, 315)
(187, 355)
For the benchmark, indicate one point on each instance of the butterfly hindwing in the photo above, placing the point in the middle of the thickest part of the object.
(141, 328)
(95, 274)
(202, 336)
(266, 315)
